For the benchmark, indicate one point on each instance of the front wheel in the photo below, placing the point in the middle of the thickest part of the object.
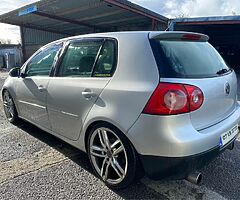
(111, 155)
(9, 107)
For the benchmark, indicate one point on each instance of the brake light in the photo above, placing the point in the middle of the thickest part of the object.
(172, 98)
(191, 37)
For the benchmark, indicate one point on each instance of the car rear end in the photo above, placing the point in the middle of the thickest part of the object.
(193, 114)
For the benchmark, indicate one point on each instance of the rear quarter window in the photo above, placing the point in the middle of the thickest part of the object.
(188, 59)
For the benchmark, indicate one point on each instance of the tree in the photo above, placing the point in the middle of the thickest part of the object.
(182, 15)
(5, 41)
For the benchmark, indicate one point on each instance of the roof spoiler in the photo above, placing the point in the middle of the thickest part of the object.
(179, 36)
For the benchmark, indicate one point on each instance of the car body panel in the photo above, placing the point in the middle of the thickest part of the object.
(127, 93)
(31, 95)
(217, 105)
(67, 106)
(175, 136)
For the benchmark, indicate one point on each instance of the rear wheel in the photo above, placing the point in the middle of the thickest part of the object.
(111, 155)
(9, 107)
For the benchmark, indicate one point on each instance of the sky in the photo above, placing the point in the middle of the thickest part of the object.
(168, 8)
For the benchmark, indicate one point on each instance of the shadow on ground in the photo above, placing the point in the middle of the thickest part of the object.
(135, 191)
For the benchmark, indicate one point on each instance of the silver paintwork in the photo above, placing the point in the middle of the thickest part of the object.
(66, 107)
(31, 99)
(175, 136)
(67, 115)
(176, 35)
(217, 105)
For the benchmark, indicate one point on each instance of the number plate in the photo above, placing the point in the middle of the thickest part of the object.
(228, 136)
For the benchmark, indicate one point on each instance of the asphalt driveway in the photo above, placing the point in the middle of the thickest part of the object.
(36, 165)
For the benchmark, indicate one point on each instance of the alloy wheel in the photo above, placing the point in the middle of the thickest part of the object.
(108, 155)
(8, 106)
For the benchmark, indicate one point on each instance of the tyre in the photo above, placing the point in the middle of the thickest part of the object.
(9, 108)
(112, 156)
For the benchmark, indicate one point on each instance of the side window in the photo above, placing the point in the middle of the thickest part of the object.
(106, 60)
(41, 64)
(79, 58)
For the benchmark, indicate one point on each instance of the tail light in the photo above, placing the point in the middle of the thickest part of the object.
(171, 99)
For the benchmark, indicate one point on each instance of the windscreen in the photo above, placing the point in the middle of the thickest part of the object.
(188, 59)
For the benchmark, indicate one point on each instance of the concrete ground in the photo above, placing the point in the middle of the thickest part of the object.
(36, 165)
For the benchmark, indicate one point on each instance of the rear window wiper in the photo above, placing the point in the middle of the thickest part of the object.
(222, 71)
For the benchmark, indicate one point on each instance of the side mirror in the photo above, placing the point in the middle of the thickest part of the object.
(14, 72)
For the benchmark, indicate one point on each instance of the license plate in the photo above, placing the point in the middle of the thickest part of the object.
(228, 136)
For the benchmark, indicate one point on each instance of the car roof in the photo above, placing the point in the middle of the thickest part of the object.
(116, 35)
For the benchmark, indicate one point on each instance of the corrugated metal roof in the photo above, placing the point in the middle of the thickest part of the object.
(209, 20)
(10, 46)
(73, 17)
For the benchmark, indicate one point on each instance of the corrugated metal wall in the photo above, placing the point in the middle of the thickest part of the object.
(16, 56)
(34, 39)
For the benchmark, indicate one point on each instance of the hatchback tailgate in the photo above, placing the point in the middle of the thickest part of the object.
(188, 58)
(219, 100)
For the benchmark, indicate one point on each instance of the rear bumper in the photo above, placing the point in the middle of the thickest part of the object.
(174, 136)
(157, 167)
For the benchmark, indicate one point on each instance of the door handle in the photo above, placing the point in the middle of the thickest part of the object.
(41, 88)
(88, 94)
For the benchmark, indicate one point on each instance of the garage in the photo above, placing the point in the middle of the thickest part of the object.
(49, 20)
(224, 33)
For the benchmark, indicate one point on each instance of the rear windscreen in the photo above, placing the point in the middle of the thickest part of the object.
(178, 59)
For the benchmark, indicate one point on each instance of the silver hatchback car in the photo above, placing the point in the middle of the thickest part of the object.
(163, 103)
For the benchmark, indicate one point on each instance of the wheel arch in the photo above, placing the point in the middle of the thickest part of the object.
(140, 172)
(92, 124)
(11, 93)
(3, 90)
(10, 90)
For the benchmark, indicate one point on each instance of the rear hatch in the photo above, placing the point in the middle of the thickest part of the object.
(188, 58)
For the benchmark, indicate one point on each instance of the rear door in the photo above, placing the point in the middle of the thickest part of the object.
(193, 61)
(84, 70)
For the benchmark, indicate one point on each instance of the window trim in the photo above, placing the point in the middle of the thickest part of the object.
(25, 66)
(161, 61)
(71, 41)
(115, 61)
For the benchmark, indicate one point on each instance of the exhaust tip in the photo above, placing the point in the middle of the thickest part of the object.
(195, 178)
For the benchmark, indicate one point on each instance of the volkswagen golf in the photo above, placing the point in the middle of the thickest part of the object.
(162, 104)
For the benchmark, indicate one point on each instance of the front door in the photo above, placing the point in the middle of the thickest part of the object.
(31, 91)
(84, 71)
